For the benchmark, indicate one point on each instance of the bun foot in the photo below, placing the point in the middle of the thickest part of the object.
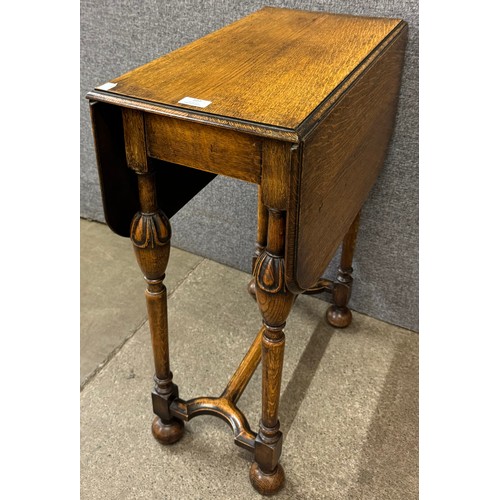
(251, 288)
(167, 433)
(339, 317)
(267, 484)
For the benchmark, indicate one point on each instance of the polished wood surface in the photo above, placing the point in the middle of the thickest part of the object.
(275, 302)
(135, 140)
(261, 238)
(213, 149)
(249, 364)
(225, 406)
(303, 105)
(334, 177)
(338, 314)
(272, 67)
(150, 233)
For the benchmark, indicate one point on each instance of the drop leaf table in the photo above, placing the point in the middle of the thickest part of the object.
(301, 104)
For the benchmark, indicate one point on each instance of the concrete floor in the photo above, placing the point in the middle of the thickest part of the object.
(349, 404)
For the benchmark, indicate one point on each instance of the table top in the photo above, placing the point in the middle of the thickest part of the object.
(275, 67)
(302, 103)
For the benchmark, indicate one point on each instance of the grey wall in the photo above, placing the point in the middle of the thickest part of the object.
(119, 35)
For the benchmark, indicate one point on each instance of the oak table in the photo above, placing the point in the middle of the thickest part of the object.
(301, 104)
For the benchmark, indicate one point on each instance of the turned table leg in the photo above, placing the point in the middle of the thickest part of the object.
(338, 314)
(261, 240)
(275, 301)
(150, 234)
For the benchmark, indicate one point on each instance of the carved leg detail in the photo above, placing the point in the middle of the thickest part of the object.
(338, 314)
(275, 302)
(150, 234)
(260, 243)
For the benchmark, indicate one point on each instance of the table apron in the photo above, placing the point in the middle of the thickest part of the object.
(213, 149)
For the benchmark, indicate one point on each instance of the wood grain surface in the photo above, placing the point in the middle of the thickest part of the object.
(303, 104)
(274, 66)
(135, 140)
(341, 160)
(204, 147)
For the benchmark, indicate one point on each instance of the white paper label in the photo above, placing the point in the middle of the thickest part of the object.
(192, 101)
(107, 86)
